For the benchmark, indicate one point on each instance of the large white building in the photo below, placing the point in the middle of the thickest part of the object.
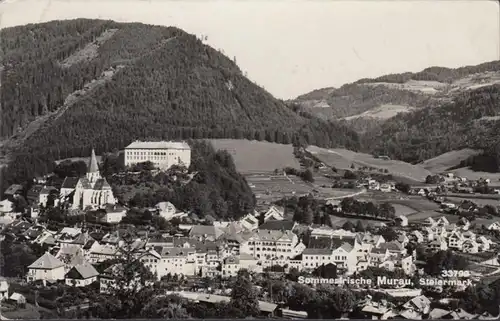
(162, 154)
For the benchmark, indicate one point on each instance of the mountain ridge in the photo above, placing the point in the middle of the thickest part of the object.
(136, 82)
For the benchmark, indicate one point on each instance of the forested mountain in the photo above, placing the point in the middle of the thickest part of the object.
(68, 86)
(471, 121)
(431, 87)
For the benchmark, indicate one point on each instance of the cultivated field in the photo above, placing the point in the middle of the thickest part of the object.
(339, 221)
(256, 156)
(343, 159)
(268, 188)
(444, 161)
(417, 203)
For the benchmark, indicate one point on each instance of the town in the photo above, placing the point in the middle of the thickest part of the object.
(71, 238)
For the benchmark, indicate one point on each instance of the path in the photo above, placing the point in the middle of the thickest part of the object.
(362, 191)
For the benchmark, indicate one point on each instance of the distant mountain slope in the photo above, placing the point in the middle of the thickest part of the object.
(68, 86)
(431, 87)
(471, 121)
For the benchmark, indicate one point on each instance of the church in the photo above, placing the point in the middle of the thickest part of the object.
(91, 191)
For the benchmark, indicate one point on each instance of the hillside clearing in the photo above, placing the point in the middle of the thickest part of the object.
(90, 51)
(447, 160)
(343, 159)
(257, 156)
(385, 111)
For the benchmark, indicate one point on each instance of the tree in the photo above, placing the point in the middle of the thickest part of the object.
(132, 286)
(243, 297)
(359, 227)
(348, 226)
(444, 260)
(165, 307)
(388, 233)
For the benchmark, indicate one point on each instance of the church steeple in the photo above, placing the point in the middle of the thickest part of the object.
(93, 172)
(93, 163)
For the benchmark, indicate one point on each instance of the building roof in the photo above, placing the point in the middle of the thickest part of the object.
(46, 262)
(70, 182)
(316, 251)
(13, 189)
(158, 145)
(82, 271)
(278, 225)
(93, 163)
(102, 184)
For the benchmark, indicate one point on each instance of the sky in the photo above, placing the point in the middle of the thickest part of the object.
(291, 47)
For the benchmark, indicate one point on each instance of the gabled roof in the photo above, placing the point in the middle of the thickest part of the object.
(46, 262)
(70, 182)
(14, 188)
(102, 184)
(82, 271)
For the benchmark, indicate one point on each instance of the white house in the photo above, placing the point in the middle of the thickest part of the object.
(249, 222)
(230, 266)
(114, 214)
(274, 213)
(6, 206)
(47, 267)
(168, 211)
(402, 220)
(4, 290)
(495, 226)
(81, 275)
(313, 258)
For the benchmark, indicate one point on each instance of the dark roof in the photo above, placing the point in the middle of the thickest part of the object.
(329, 243)
(82, 272)
(101, 183)
(13, 189)
(70, 182)
(35, 191)
(277, 225)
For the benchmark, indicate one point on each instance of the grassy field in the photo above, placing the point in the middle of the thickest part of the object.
(420, 216)
(257, 157)
(471, 175)
(339, 221)
(403, 209)
(417, 203)
(444, 161)
(342, 159)
(478, 201)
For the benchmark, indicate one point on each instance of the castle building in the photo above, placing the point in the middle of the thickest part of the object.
(90, 191)
(162, 154)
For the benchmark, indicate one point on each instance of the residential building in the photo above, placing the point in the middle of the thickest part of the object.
(113, 214)
(274, 213)
(267, 244)
(46, 268)
(81, 275)
(162, 154)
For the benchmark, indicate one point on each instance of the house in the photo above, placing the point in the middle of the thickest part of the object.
(417, 236)
(81, 275)
(18, 299)
(6, 206)
(230, 267)
(267, 244)
(46, 268)
(495, 226)
(470, 246)
(313, 257)
(4, 290)
(274, 213)
(205, 232)
(455, 240)
(113, 214)
(402, 220)
(12, 190)
(249, 222)
(386, 188)
(439, 244)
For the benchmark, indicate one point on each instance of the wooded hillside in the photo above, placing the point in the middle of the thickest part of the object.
(471, 121)
(68, 86)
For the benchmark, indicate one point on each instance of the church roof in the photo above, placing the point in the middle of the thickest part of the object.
(93, 163)
(101, 184)
(70, 182)
(85, 183)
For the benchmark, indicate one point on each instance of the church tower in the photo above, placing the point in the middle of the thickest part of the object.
(93, 172)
